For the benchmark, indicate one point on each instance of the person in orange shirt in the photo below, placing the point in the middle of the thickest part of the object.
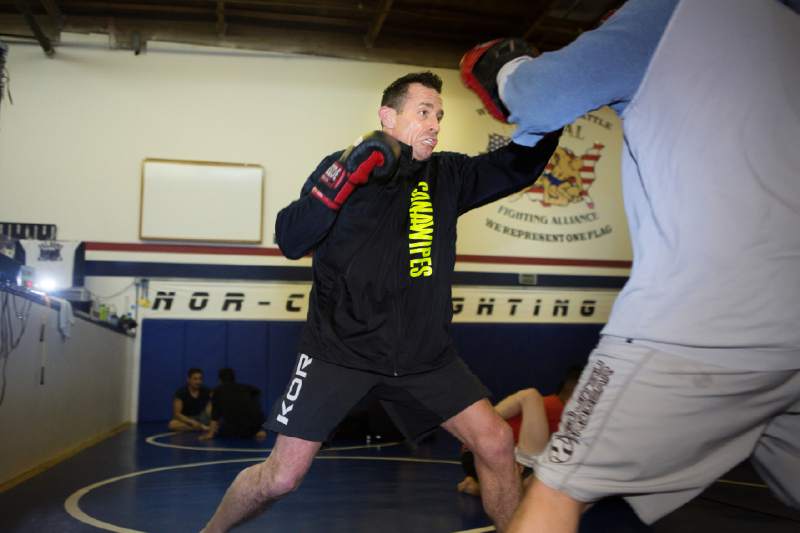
(533, 418)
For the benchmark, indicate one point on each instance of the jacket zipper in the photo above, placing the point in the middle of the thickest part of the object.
(396, 301)
(398, 337)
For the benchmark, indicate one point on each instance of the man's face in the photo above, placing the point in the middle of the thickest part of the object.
(195, 380)
(417, 122)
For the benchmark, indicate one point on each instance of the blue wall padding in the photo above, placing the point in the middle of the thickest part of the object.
(205, 348)
(247, 349)
(510, 357)
(162, 367)
(506, 357)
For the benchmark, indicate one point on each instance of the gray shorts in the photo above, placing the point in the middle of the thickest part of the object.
(658, 429)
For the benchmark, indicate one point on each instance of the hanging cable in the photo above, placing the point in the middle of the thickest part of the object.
(5, 85)
(10, 316)
(103, 298)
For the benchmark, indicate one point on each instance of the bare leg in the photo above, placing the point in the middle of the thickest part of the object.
(490, 439)
(534, 431)
(469, 485)
(177, 425)
(546, 510)
(258, 486)
(510, 406)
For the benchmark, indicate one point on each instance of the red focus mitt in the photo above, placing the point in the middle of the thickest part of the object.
(479, 68)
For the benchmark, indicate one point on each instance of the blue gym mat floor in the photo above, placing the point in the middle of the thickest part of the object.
(146, 479)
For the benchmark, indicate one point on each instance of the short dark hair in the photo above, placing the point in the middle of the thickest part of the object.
(192, 371)
(226, 375)
(394, 95)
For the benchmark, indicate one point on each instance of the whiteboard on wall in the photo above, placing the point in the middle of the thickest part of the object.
(201, 201)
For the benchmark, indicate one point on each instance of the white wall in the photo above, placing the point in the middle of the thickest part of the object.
(72, 144)
(86, 390)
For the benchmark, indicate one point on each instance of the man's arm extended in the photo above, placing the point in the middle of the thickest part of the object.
(604, 66)
(487, 177)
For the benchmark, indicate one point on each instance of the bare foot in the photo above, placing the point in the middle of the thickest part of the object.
(469, 485)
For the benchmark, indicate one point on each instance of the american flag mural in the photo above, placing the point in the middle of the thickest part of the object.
(497, 141)
(566, 179)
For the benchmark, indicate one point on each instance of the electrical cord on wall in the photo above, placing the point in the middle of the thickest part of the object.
(42, 346)
(103, 298)
(5, 80)
(9, 340)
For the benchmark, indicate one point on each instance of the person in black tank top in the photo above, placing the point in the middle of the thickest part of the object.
(190, 404)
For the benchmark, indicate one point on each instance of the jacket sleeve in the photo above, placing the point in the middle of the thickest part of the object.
(304, 223)
(604, 66)
(487, 177)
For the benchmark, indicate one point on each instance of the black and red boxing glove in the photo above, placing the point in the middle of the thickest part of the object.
(479, 68)
(374, 156)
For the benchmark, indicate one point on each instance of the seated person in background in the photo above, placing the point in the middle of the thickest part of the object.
(235, 409)
(533, 418)
(190, 405)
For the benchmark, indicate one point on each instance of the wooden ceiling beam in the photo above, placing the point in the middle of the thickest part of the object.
(120, 9)
(377, 24)
(221, 25)
(537, 19)
(421, 32)
(290, 17)
(14, 25)
(24, 7)
(52, 9)
(243, 37)
(315, 5)
(314, 10)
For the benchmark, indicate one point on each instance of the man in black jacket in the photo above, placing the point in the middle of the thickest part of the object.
(380, 307)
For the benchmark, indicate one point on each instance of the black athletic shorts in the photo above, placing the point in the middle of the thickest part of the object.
(320, 394)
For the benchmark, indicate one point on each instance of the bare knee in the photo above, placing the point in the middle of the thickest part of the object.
(285, 482)
(277, 479)
(495, 446)
(530, 397)
(177, 425)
